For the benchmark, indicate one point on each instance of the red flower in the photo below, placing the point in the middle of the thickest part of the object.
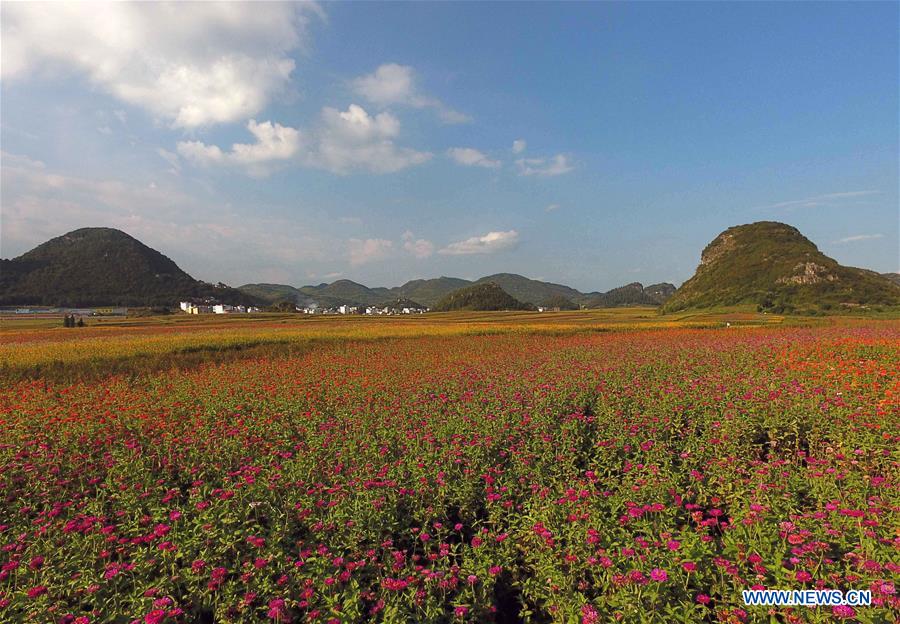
(155, 617)
(36, 591)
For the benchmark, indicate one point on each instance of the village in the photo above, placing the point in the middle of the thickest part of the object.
(219, 308)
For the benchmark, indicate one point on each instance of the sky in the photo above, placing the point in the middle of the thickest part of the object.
(591, 144)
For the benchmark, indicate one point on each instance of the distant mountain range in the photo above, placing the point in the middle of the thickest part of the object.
(768, 264)
(429, 291)
(774, 266)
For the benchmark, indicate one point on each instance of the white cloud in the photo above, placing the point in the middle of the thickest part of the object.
(368, 250)
(191, 64)
(518, 146)
(354, 140)
(342, 142)
(471, 157)
(489, 243)
(859, 237)
(274, 142)
(557, 165)
(827, 199)
(420, 248)
(552, 208)
(391, 84)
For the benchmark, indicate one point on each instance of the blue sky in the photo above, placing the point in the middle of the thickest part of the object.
(589, 144)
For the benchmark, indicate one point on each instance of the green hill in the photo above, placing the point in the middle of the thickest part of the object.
(429, 291)
(634, 294)
(480, 297)
(346, 291)
(530, 290)
(894, 277)
(271, 293)
(99, 267)
(774, 266)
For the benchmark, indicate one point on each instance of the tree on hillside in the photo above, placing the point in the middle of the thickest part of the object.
(558, 302)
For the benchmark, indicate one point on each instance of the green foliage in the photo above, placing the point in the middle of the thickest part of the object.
(481, 297)
(284, 305)
(558, 302)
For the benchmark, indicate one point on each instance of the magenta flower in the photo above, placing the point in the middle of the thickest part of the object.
(37, 591)
(843, 611)
(155, 617)
(659, 575)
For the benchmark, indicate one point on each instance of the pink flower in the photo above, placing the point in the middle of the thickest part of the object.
(659, 575)
(673, 544)
(589, 615)
(258, 542)
(689, 566)
(155, 617)
(277, 609)
(843, 611)
(703, 599)
(803, 576)
(461, 611)
(36, 562)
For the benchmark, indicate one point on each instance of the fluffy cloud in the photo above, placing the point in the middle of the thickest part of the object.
(420, 248)
(519, 146)
(354, 140)
(489, 243)
(342, 142)
(191, 64)
(274, 142)
(368, 250)
(554, 166)
(551, 208)
(395, 84)
(471, 157)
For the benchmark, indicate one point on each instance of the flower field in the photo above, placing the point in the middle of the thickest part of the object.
(634, 476)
